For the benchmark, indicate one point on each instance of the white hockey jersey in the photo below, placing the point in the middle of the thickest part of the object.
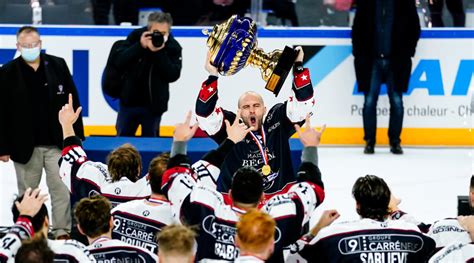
(125, 190)
(85, 178)
(107, 250)
(138, 222)
(445, 231)
(70, 251)
(457, 252)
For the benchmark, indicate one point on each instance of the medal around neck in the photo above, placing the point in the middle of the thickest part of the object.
(266, 170)
(233, 45)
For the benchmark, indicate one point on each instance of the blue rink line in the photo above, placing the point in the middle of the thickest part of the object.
(114, 31)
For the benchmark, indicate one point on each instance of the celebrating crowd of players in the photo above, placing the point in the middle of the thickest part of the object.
(240, 203)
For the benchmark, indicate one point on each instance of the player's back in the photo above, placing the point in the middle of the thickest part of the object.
(124, 190)
(70, 251)
(138, 222)
(216, 220)
(110, 250)
(368, 240)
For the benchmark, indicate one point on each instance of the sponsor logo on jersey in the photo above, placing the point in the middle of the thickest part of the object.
(135, 233)
(224, 236)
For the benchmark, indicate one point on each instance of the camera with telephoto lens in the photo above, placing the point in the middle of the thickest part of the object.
(156, 38)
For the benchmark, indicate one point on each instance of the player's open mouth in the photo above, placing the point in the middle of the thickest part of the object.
(253, 120)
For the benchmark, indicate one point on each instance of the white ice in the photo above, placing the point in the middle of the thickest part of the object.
(428, 180)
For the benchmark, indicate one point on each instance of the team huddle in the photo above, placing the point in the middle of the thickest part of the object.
(241, 202)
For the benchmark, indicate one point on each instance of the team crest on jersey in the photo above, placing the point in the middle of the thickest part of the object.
(269, 180)
(93, 193)
(117, 190)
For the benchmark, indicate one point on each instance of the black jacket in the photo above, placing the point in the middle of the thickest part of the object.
(405, 35)
(161, 68)
(17, 112)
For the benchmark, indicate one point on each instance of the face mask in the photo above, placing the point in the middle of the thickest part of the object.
(30, 54)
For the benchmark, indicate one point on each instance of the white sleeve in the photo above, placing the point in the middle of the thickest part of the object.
(75, 166)
(212, 123)
(309, 195)
(9, 245)
(301, 101)
(177, 184)
(11, 242)
(207, 174)
(296, 110)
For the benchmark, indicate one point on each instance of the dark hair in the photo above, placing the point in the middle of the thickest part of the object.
(26, 29)
(35, 250)
(37, 221)
(372, 195)
(124, 161)
(160, 17)
(247, 185)
(155, 171)
(93, 215)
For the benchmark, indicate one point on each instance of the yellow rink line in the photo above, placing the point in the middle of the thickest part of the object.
(354, 136)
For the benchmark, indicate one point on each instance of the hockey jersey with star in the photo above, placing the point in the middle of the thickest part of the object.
(70, 251)
(138, 222)
(196, 201)
(277, 128)
(85, 178)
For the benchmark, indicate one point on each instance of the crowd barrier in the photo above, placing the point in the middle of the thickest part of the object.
(437, 104)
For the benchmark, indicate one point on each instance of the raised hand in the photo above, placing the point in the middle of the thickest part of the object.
(326, 219)
(183, 132)
(237, 131)
(310, 136)
(67, 115)
(31, 202)
(210, 68)
(300, 56)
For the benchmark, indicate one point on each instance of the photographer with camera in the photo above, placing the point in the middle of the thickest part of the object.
(147, 62)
